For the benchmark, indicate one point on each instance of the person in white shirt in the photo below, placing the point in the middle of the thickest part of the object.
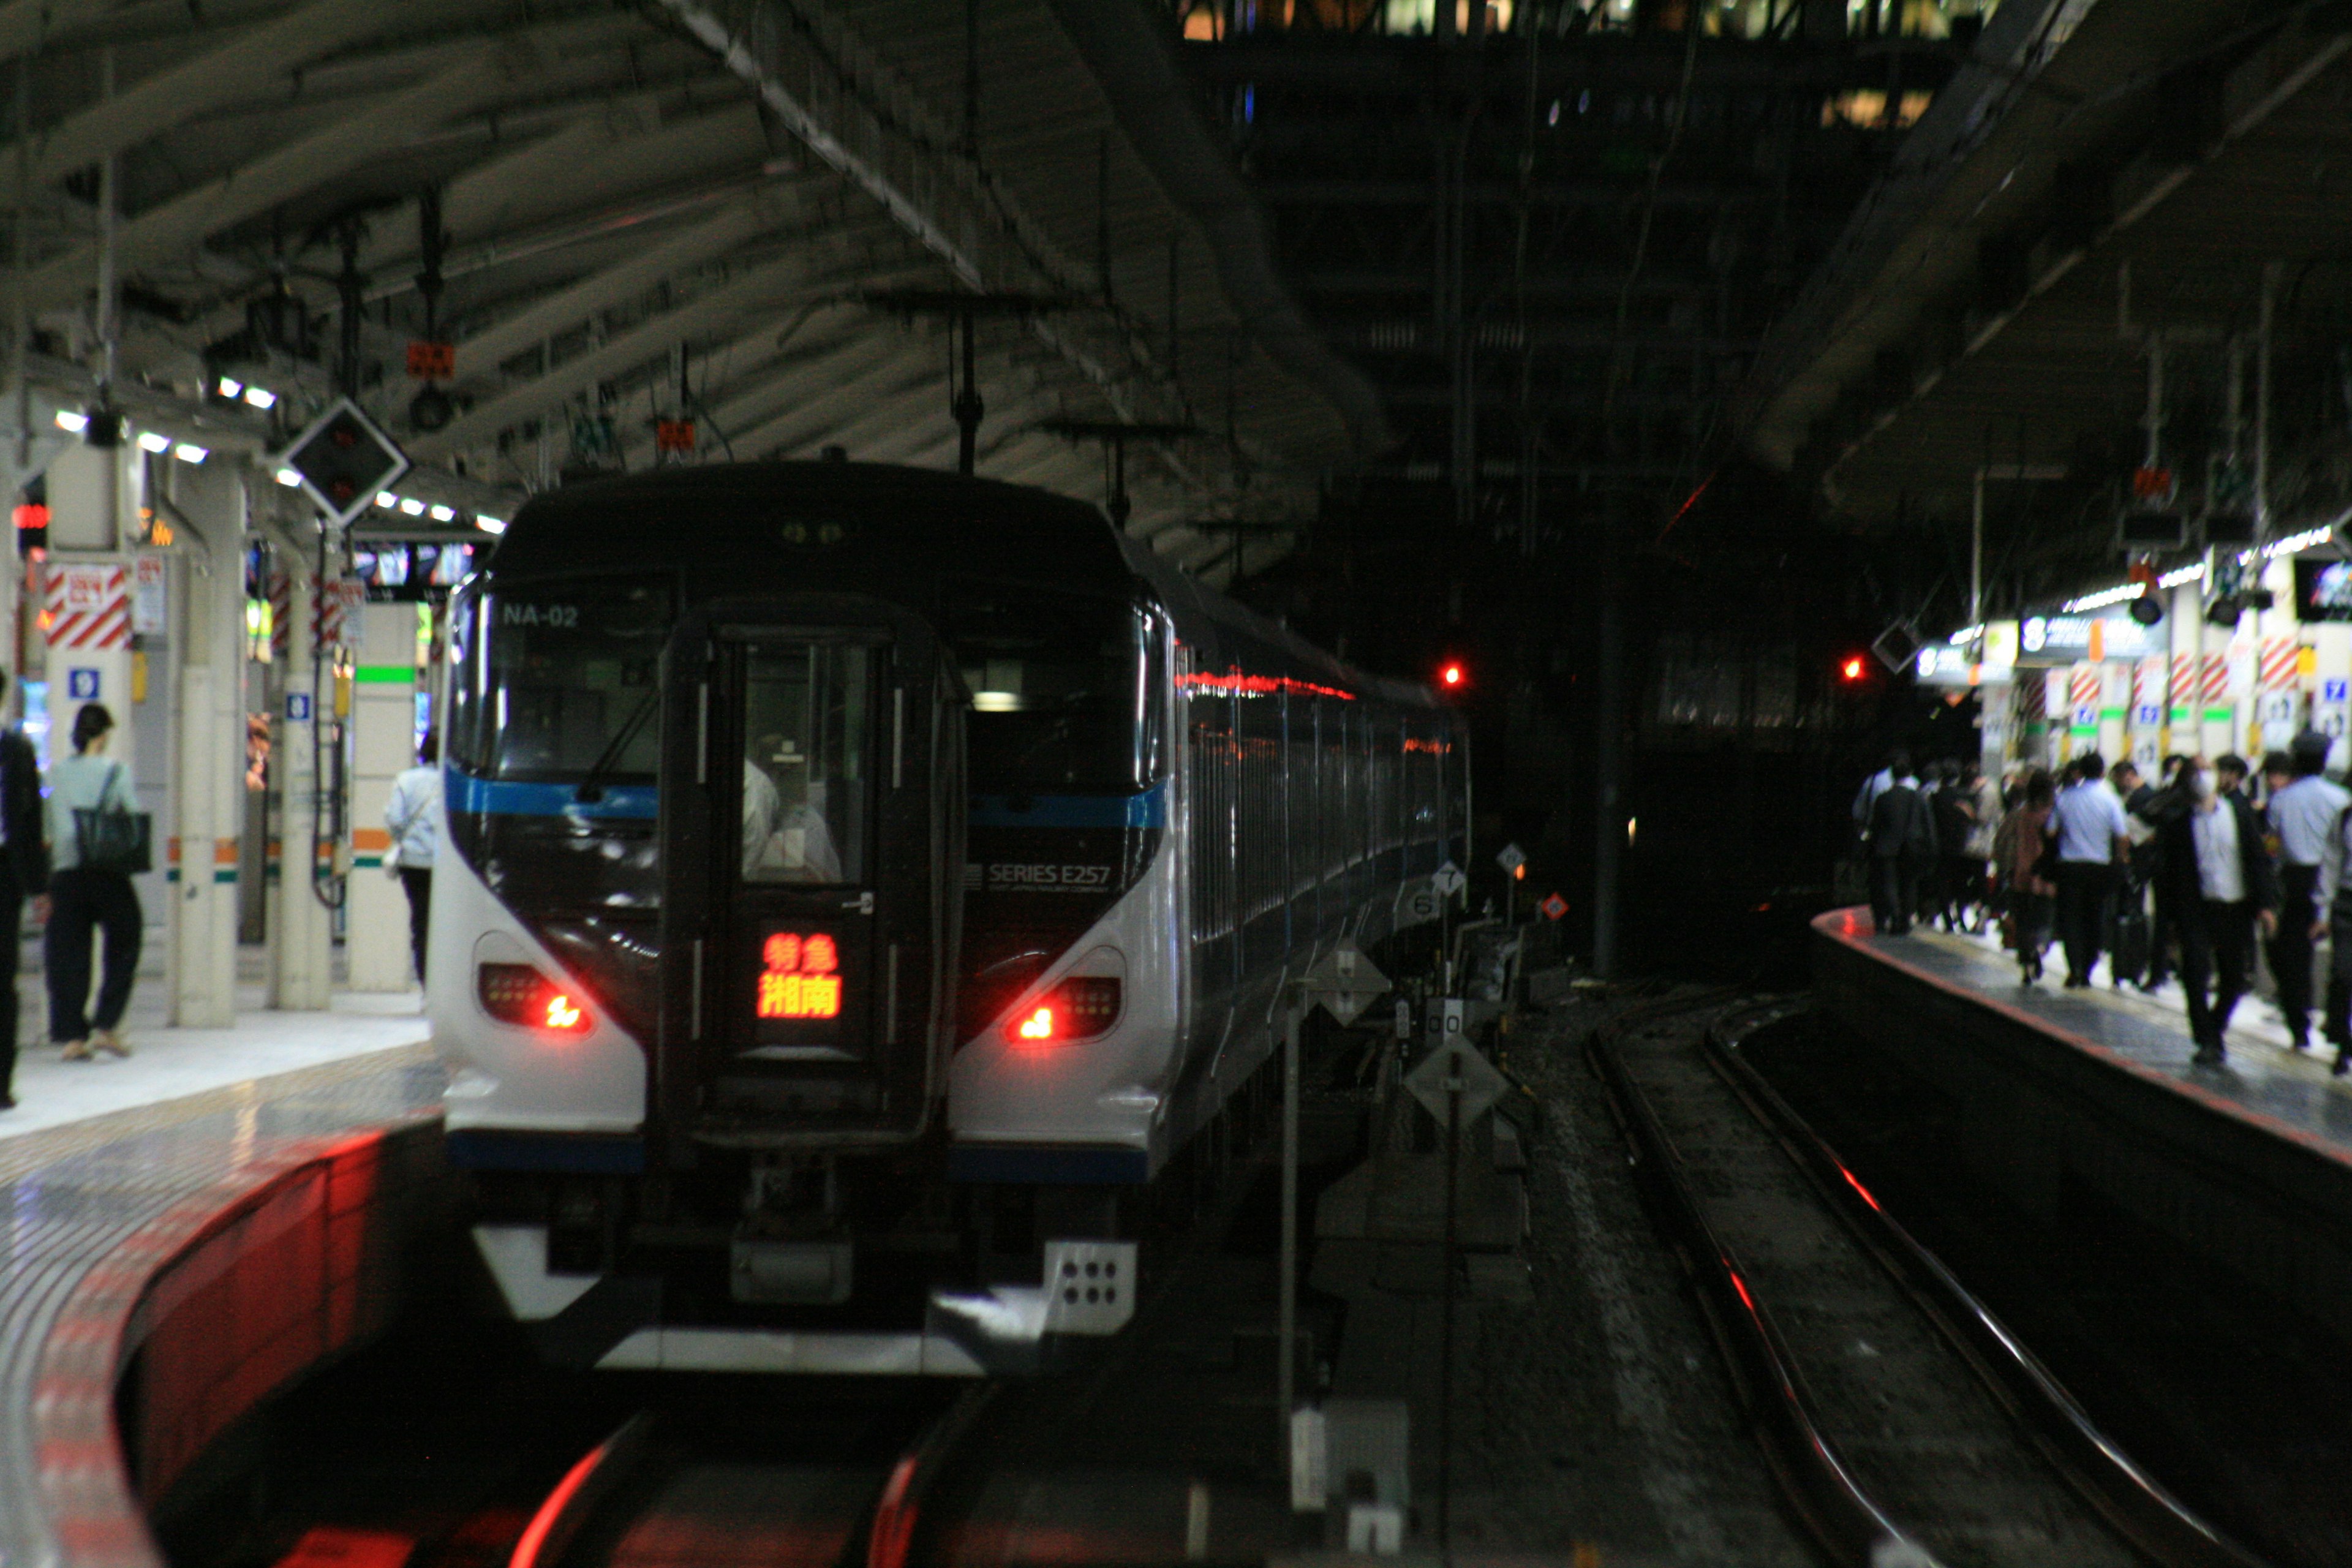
(2304, 808)
(413, 818)
(2093, 842)
(2224, 883)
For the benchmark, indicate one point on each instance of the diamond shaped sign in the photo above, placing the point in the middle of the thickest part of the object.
(1456, 1065)
(1449, 879)
(1554, 906)
(1343, 983)
(1510, 857)
(344, 459)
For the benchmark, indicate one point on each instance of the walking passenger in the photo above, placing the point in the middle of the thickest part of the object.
(413, 817)
(2094, 841)
(85, 898)
(1902, 852)
(23, 873)
(1958, 871)
(2335, 921)
(2164, 922)
(2223, 884)
(2304, 808)
(2025, 858)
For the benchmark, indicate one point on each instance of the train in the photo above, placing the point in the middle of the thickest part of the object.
(861, 886)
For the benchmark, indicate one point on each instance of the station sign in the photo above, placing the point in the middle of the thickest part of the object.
(2080, 639)
(1941, 664)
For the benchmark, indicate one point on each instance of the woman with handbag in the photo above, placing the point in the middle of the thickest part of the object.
(96, 840)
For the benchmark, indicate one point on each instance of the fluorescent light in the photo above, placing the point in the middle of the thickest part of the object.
(413, 506)
(230, 386)
(150, 442)
(261, 398)
(444, 513)
(288, 477)
(68, 420)
(2102, 599)
(188, 452)
(1967, 635)
(995, 702)
(2182, 575)
(387, 499)
(491, 525)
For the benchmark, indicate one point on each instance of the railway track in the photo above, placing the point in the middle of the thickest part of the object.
(1902, 1421)
(852, 1489)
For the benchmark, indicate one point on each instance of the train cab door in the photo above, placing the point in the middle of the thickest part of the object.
(811, 812)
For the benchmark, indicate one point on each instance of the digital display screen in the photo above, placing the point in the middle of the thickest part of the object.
(800, 977)
(2322, 590)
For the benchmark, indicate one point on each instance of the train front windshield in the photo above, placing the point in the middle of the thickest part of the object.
(557, 682)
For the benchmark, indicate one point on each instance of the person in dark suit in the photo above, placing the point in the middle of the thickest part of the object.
(2224, 882)
(1902, 853)
(23, 873)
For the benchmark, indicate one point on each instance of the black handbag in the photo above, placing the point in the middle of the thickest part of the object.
(113, 838)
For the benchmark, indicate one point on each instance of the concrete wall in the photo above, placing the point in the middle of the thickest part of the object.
(2042, 1114)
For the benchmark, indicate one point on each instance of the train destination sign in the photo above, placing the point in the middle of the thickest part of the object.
(801, 977)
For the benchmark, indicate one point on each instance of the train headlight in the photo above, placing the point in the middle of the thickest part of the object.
(1077, 1008)
(520, 994)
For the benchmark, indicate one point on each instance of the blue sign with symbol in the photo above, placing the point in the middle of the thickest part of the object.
(2334, 690)
(2084, 717)
(2149, 713)
(298, 707)
(81, 685)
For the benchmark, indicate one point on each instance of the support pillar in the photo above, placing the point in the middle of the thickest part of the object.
(384, 725)
(302, 930)
(208, 781)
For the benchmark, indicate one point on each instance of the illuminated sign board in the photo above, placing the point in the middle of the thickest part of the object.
(801, 977)
(2069, 639)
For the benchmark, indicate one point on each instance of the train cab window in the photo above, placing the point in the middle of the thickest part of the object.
(557, 680)
(1061, 689)
(806, 708)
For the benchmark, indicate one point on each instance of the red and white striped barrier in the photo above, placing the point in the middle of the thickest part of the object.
(88, 605)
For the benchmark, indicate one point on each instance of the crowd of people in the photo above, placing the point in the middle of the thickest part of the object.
(2182, 875)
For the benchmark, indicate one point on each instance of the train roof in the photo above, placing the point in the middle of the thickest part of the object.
(718, 515)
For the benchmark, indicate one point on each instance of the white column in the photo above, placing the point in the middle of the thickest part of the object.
(383, 723)
(208, 783)
(301, 933)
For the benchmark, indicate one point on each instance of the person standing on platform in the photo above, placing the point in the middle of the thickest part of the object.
(85, 899)
(2224, 884)
(413, 817)
(2334, 897)
(2023, 864)
(2164, 921)
(1902, 852)
(1957, 873)
(2094, 840)
(24, 873)
(2304, 808)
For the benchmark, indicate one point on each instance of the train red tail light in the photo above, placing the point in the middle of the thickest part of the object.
(520, 994)
(1078, 1009)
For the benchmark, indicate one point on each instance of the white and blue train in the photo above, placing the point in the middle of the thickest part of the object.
(861, 885)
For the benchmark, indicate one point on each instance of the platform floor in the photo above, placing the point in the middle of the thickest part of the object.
(169, 1063)
(102, 1153)
(2261, 1077)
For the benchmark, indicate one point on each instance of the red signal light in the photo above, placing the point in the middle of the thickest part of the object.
(1037, 1025)
(1451, 675)
(1852, 668)
(520, 994)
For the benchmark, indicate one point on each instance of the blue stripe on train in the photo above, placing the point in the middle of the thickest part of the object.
(508, 797)
(1148, 809)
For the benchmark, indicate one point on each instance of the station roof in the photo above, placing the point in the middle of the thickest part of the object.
(744, 213)
(2096, 177)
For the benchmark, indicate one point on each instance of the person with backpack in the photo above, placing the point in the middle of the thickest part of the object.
(91, 807)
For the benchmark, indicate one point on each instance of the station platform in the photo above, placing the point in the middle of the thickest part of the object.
(2264, 1079)
(2089, 1101)
(182, 1232)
